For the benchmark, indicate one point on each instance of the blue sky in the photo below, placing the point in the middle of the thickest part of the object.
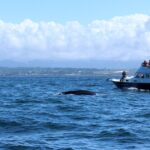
(62, 11)
(74, 32)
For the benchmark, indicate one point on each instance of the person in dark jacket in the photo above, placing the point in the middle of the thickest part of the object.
(124, 75)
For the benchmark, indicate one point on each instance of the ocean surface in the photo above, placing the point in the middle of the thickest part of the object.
(35, 116)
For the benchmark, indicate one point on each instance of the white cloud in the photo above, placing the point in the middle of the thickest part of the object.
(122, 38)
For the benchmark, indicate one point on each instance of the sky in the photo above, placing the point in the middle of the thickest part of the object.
(74, 33)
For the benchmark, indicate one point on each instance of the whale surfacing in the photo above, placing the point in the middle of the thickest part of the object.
(79, 92)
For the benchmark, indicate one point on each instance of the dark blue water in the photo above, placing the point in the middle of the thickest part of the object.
(34, 116)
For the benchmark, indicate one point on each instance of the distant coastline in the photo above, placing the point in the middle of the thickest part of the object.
(38, 71)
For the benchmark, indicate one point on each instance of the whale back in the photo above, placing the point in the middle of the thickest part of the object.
(79, 92)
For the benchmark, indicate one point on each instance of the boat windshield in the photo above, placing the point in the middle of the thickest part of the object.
(141, 75)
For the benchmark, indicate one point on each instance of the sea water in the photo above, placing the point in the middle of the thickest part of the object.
(35, 116)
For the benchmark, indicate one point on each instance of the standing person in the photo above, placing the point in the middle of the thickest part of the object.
(124, 75)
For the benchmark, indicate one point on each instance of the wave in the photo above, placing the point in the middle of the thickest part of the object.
(117, 133)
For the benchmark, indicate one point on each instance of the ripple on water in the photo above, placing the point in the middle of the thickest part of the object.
(117, 134)
(5, 123)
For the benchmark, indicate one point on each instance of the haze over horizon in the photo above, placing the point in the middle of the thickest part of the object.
(74, 33)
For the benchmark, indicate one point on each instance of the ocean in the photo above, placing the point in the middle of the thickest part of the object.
(34, 115)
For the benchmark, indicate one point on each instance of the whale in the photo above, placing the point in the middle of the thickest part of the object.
(79, 92)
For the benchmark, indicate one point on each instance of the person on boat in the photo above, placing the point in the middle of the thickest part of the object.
(145, 63)
(124, 75)
(149, 63)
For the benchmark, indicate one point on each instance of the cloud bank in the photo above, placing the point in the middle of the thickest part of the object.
(120, 38)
